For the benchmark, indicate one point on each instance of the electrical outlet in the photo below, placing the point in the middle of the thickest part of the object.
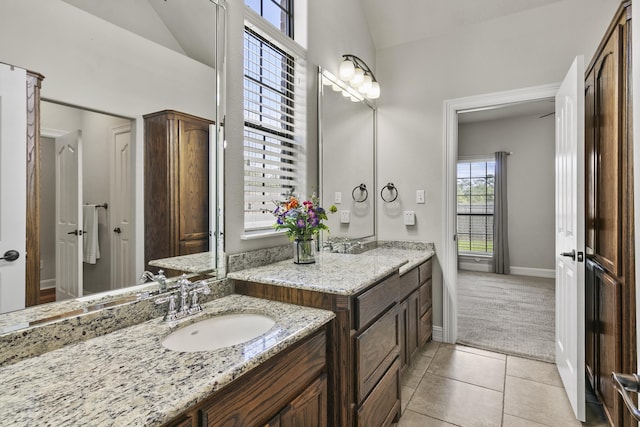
(41, 264)
(420, 196)
(345, 217)
(409, 218)
(337, 198)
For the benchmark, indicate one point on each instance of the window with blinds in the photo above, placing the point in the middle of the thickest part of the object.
(475, 206)
(273, 126)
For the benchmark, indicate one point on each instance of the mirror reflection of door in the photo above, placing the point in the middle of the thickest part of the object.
(101, 257)
(69, 226)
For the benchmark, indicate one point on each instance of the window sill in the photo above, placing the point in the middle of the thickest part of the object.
(472, 255)
(261, 234)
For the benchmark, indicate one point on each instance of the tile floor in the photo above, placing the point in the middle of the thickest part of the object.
(453, 385)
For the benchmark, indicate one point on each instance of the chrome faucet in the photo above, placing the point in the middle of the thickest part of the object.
(186, 288)
(160, 278)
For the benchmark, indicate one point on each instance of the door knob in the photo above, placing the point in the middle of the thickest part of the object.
(117, 230)
(571, 254)
(11, 255)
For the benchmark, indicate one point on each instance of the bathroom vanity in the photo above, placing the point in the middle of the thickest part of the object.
(374, 331)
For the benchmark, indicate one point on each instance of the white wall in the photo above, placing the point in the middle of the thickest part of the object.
(530, 182)
(520, 50)
(335, 27)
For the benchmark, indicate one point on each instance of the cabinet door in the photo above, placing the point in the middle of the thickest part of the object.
(607, 109)
(403, 333)
(591, 162)
(413, 317)
(193, 180)
(309, 409)
(591, 322)
(609, 357)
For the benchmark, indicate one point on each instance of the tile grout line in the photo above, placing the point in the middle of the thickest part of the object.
(504, 389)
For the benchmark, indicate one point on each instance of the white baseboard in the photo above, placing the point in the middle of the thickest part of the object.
(473, 266)
(48, 284)
(533, 272)
(437, 333)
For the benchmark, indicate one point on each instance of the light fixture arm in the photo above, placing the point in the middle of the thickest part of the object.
(360, 63)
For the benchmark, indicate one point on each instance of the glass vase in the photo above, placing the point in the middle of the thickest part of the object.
(304, 251)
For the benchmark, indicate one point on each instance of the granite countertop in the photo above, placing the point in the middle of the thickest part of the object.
(127, 378)
(203, 262)
(412, 257)
(342, 274)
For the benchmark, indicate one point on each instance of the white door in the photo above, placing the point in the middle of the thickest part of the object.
(570, 236)
(69, 216)
(120, 210)
(13, 187)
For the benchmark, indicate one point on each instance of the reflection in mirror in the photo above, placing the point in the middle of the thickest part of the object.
(347, 159)
(124, 60)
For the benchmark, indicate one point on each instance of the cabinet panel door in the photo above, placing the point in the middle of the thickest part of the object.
(609, 357)
(607, 92)
(383, 405)
(193, 182)
(309, 409)
(591, 322)
(425, 328)
(425, 296)
(413, 321)
(591, 161)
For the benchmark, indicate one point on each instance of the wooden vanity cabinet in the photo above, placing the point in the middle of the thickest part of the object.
(363, 368)
(176, 185)
(288, 390)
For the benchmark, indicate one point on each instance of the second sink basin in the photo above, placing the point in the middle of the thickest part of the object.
(218, 332)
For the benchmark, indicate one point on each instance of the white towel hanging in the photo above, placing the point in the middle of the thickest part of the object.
(91, 246)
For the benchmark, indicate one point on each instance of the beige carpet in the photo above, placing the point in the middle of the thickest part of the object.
(507, 313)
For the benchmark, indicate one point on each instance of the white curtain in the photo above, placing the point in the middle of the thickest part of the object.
(500, 216)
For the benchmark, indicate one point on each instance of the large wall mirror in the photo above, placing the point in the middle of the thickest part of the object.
(105, 66)
(347, 133)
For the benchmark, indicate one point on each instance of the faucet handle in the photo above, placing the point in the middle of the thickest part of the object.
(172, 314)
(200, 287)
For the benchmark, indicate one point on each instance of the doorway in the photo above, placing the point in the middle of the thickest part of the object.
(514, 312)
(93, 256)
(450, 250)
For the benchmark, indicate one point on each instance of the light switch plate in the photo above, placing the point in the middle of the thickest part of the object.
(409, 218)
(337, 198)
(419, 196)
(345, 217)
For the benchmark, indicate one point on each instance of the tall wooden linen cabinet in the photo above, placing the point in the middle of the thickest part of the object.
(176, 185)
(610, 285)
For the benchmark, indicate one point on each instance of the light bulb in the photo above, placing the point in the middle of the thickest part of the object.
(354, 99)
(346, 94)
(335, 87)
(374, 92)
(366, 84)
(357, 79)
(347, 69)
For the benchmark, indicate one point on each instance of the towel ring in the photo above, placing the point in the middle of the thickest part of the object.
(363, 189)
(392, 189)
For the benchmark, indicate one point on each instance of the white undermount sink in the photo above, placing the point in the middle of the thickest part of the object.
(218, 332)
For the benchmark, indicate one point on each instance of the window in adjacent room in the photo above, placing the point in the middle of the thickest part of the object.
(475, 206)
(274, 111)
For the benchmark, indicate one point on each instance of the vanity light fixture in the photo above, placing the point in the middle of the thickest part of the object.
(359, 76)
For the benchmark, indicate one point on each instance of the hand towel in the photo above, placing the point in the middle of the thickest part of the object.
(91, 246)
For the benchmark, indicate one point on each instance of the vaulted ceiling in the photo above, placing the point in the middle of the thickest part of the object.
(397, 22)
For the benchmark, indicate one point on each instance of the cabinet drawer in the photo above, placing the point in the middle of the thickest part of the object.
(425, 271)
(425, 327)
(375, 349)
(383, 405)
(408, 283)
(376, 300)
(425, 296)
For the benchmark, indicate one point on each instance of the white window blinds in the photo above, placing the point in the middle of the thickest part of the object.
(274, 126)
